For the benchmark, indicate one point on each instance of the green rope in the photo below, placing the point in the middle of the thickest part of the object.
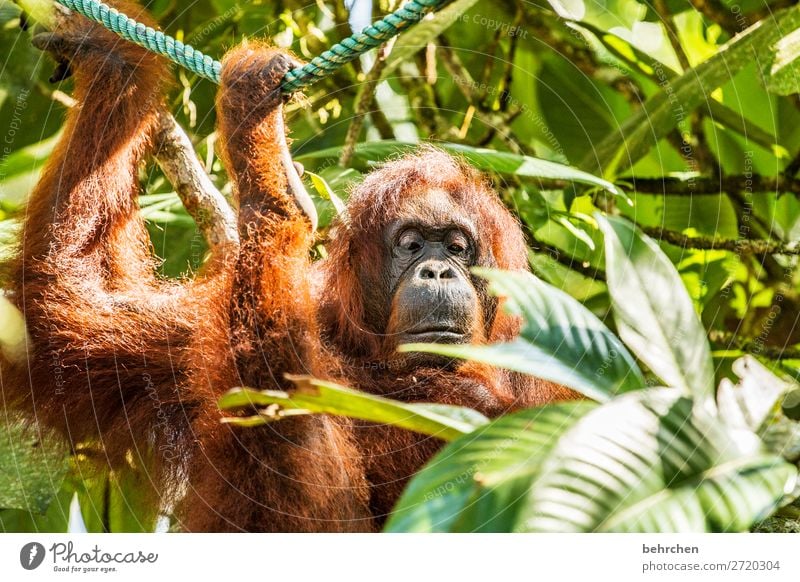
(192, 59)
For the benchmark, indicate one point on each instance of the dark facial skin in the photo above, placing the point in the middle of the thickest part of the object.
(433, 299)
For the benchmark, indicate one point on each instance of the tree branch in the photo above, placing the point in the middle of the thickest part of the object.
(745, 246)
(715, 186)
(204, 203)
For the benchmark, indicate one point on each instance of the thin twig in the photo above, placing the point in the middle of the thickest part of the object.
(730, 340)
(672, 33)
(755, 228)
(508, 71)
(382, 124)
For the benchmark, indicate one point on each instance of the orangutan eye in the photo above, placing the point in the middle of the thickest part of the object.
(411, 241)
(457, 244)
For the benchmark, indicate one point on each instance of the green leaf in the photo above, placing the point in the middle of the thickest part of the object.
(654, 314)
(651, 461)
(29, 158)
(561, 340)
(165, 208)
(366, 154)
(319, 396)
(40, 11)
(616, 14)
(32, 467)
(324, 190)
(749, 403)
(531, 206)
(526, 166)
(563, 218)
(118, 501)
(720, 113)
(130, 502)
(21, 169)
(479, 481)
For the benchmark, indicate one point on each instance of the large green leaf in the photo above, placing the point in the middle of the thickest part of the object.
(526, 166)
(488, 160)
(319, 396)
(720, 113)
(578, 110)
(654, 314)
(479, 481)
(21, 169)
(651, 461)
(54, 520)
(561, 340)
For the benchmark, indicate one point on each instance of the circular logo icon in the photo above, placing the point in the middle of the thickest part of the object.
(31, 555)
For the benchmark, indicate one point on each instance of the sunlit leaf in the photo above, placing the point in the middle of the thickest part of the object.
(640, 132)
(479, 481)
(749, 403)
(650, 461)
(654, 314)
(13, 333)
(318, 396)
(367, 154)
(324, 190)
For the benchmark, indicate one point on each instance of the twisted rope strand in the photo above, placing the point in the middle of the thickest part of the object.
(197, 62)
